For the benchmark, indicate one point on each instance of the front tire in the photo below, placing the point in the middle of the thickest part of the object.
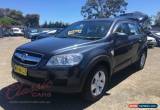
(96, 84)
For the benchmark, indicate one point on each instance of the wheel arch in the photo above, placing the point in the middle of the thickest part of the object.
(98, 61)
(144, 49)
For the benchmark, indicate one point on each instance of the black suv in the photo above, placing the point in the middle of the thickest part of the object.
(83, 57)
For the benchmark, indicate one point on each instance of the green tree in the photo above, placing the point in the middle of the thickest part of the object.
(6, 21)
(103, 8)
(45, 25)
(50, 25)
(32, 20)
(18, 16)
(56, 24)
(157, 19)
(14, 14)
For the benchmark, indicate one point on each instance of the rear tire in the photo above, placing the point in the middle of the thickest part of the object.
(141, 62)
(96, 84)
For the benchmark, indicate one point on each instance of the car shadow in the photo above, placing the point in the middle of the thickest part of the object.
(55, 101)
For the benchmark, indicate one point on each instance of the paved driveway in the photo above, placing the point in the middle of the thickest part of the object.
(128, 86)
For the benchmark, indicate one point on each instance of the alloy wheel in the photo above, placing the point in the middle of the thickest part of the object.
(98, 83)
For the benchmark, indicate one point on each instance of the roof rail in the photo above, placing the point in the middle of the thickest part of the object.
(138, 16)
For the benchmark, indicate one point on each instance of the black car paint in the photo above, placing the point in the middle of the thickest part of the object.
(51, 44)
(72, 78)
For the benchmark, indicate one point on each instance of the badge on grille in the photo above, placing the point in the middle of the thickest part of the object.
(23, 56)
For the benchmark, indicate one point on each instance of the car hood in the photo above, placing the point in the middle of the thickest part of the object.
(156, 33)
(150, 38)
(52, 44)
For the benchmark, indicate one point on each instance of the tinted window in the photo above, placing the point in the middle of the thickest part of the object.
(123, 28)
(133, 29)
(141, 31)
(87, 30)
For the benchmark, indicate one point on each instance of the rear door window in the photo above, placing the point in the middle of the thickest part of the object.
(123, 28)
(133, 29)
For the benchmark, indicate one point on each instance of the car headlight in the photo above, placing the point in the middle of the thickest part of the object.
(65, 60)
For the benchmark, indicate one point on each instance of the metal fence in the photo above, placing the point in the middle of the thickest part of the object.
(1, 32)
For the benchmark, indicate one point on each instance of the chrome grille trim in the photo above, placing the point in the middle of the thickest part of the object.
(27, 58)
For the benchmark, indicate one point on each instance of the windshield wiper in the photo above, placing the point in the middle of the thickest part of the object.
(61, 37)
(92, 38)
(83, 37)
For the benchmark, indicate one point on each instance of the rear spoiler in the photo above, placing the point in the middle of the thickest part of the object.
(138, 16)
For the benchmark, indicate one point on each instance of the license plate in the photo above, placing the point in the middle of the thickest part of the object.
(20, 70)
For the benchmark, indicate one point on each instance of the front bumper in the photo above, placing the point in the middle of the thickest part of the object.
(65, 80)
(151, 44)
(18, 34)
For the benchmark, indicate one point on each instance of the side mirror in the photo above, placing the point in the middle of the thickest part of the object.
(118, 35)
(147, 32)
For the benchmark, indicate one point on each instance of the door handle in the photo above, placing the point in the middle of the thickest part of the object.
(140, 40)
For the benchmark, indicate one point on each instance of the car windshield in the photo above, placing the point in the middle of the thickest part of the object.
(33, 30)
(15, 29)
(87, 30)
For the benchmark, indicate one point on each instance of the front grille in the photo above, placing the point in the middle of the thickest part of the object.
(149, 40)
(27, 58)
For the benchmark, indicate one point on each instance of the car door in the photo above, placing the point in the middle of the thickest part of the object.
(134, 39)
(122, 46)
